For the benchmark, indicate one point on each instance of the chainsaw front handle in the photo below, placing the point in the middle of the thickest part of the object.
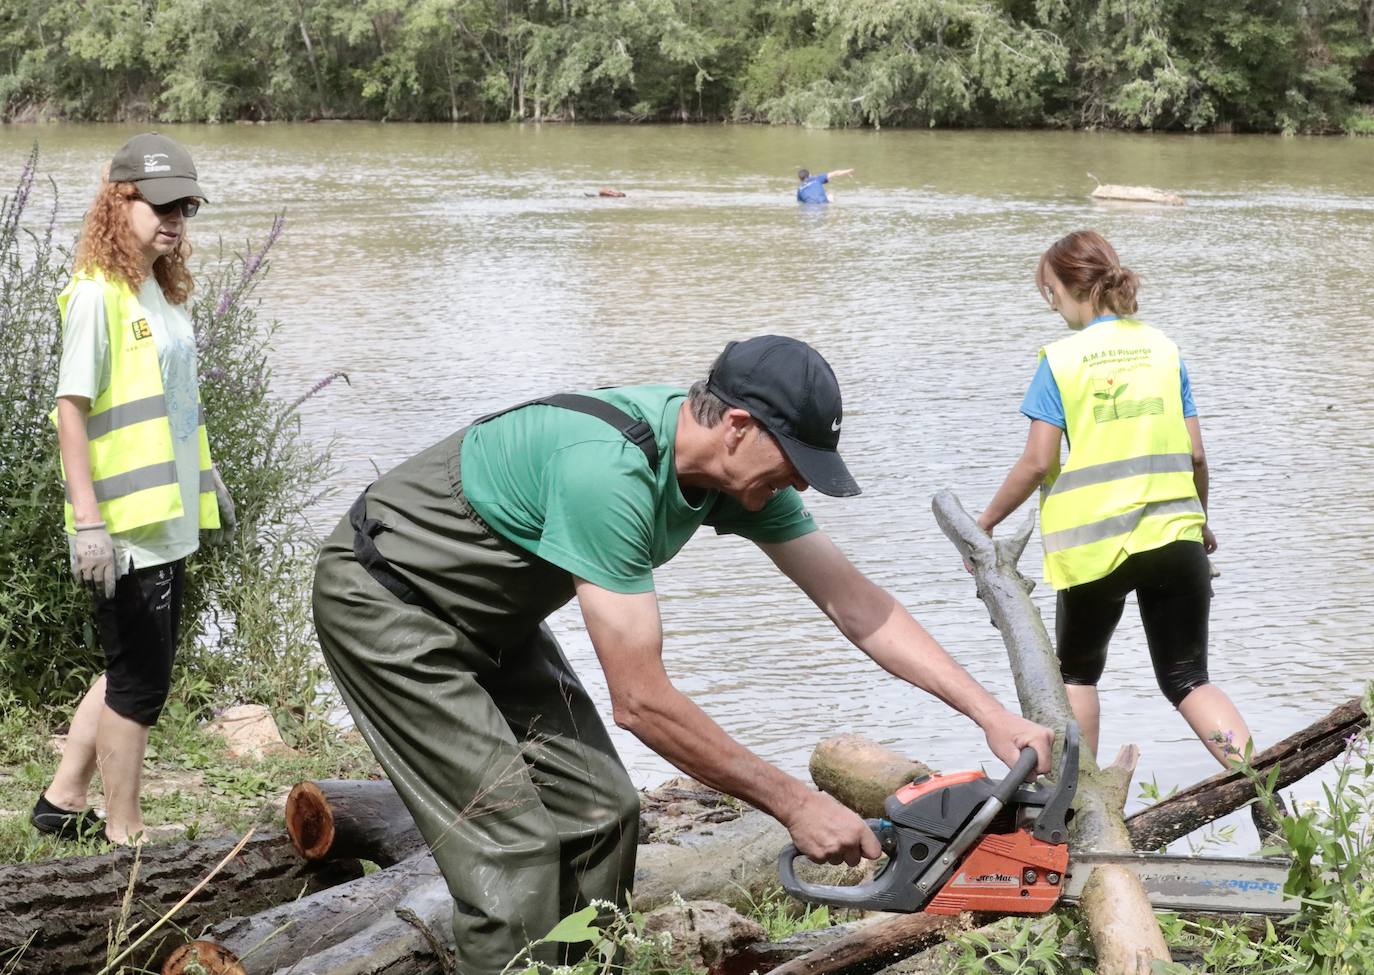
(1016, 778)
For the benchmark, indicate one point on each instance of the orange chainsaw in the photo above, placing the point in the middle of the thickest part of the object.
(963, 842)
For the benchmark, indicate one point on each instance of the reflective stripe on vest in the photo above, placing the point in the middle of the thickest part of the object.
(1107, 528)
(133, 466)
(1114, 470)
(1128, 483)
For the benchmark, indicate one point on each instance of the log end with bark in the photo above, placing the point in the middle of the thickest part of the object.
(345, 818)
(309, 822)
(860, 773)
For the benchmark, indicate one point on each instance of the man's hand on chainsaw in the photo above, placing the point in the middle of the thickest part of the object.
(826, 831)
(1009, 733)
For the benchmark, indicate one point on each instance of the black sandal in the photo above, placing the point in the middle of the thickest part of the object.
(67, 824)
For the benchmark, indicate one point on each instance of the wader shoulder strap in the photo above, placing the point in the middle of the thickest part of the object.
(365, 529)
(637, 432)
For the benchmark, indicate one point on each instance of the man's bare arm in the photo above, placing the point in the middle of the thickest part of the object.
(628, 637)
(879, 626)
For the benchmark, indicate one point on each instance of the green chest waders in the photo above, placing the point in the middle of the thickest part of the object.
(432, 626)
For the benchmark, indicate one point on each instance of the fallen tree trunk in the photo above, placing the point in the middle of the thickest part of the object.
(1126, 935)
(65, 910)
(365, 818)
(1297, 755)
(281, 936)
(414, 938)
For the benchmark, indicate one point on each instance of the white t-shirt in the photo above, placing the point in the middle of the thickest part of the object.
(85, 371)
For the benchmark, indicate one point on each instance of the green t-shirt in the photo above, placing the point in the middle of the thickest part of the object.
(571, 489)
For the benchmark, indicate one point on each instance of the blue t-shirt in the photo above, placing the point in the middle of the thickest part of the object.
(813, 190)
(1043, 402)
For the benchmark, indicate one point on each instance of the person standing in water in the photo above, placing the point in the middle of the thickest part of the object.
(1127, 512)
(812, 188)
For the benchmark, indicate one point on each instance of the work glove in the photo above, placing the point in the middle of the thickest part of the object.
(228, 521)
(93, 559)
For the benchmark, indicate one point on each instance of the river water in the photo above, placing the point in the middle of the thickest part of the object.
(451, 270)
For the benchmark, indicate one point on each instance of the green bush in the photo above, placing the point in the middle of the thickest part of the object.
(246, 632)
(46, 642)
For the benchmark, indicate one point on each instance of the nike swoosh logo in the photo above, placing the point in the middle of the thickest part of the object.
(835, 426)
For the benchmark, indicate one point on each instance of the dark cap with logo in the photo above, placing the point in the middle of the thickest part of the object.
(792, 392)
(162, 169)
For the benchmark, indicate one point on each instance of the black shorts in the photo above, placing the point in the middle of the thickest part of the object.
(1173, 586)
(138, 631)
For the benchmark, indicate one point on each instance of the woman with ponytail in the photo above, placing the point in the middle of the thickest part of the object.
(1127, 511)
(139, 481)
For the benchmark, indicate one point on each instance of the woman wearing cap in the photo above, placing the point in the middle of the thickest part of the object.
(139, 481)
(1128, 511)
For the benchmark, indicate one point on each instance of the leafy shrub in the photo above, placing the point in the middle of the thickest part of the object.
(46, 642)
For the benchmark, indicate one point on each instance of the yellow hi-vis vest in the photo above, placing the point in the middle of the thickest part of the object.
(132, 464)
(1128, 484)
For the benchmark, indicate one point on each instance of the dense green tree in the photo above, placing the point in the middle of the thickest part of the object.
(1264, 65)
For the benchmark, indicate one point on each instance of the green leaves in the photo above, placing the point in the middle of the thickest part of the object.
(575, 928)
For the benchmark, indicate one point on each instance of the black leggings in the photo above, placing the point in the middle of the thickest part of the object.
(138, 631)
(1173, 586)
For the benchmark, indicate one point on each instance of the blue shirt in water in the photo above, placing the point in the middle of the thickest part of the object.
(813, 190)
(1043, 401)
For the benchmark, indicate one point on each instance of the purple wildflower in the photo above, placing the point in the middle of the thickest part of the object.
(254, 262)
(337, 374)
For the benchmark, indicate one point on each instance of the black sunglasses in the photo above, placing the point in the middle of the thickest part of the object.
(188, 205)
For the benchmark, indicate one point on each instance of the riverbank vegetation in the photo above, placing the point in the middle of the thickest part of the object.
(1251, 65)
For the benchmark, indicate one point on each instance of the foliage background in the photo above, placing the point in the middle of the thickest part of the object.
(1245, 65)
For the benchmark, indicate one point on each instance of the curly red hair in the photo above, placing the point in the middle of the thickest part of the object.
(107, 244)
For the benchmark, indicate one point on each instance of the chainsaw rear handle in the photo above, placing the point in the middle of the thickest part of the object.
(836, 895)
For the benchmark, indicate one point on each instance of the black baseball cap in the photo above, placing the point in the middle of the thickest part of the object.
(162, 169)
(792, 392)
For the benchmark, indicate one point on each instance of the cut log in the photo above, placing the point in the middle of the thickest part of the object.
(683, 805)
(861, 774)
(365, 818)
(279, 937)
(1136, 194)
(701, 934)
(69, 907)
(1121, 908)
(1297, 756)
(351, 818)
